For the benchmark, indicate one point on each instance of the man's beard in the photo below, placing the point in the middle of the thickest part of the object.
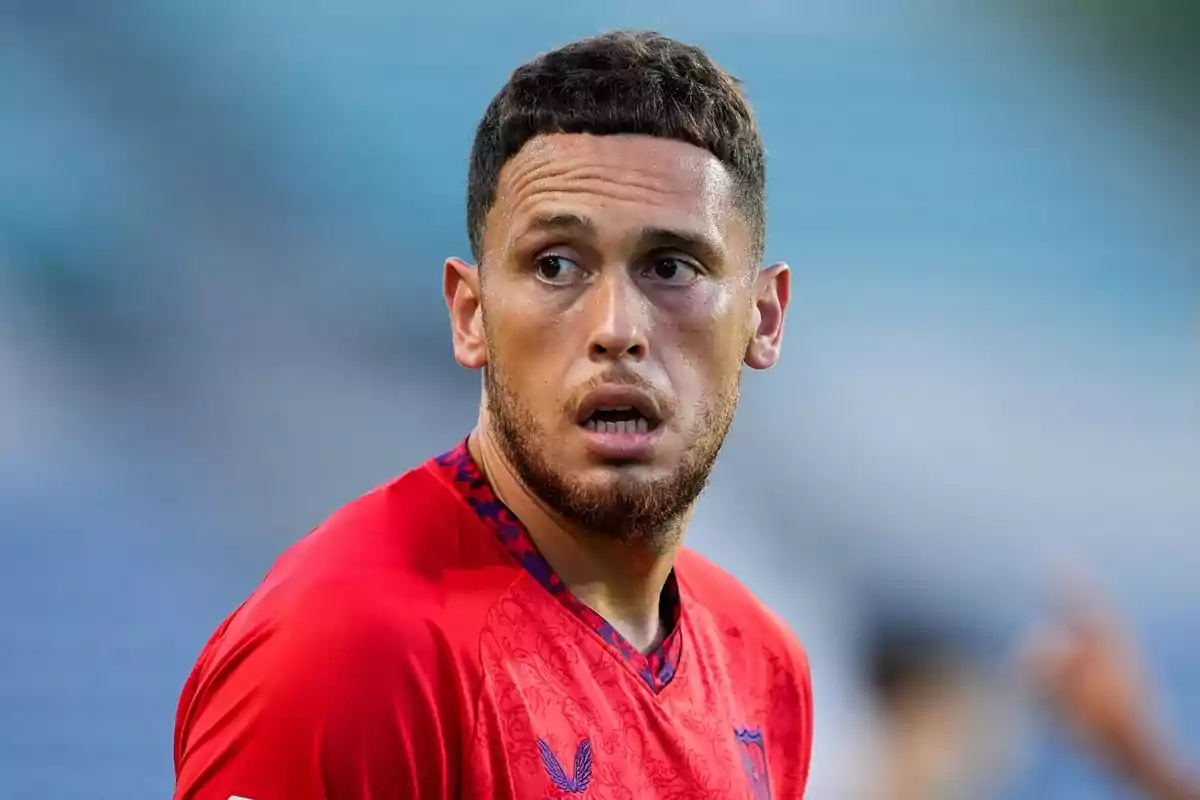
(636, 511)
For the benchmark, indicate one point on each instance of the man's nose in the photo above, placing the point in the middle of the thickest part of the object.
(618, 318)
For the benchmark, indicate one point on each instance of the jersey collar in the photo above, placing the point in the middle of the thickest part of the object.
(658, 667)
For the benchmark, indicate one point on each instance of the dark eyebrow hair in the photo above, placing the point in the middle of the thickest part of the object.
(697, 244)
(561, 221)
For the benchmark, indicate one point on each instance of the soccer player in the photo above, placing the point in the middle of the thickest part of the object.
(517, 618)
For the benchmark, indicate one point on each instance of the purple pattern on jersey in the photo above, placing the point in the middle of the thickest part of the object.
(754, 761)
(578, 781)
(657, 668)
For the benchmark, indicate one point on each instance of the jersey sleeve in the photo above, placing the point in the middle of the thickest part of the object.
(804, 677)
(321, 706)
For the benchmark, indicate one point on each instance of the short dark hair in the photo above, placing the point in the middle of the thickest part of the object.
(625, 82)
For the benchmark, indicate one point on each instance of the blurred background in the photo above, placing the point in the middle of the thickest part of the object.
(221, 235)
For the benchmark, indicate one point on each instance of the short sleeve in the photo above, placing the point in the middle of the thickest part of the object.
(325, 704)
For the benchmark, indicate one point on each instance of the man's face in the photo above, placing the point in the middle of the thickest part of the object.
(618, 301)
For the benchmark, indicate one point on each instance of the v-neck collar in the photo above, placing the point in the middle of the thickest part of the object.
(658, 667)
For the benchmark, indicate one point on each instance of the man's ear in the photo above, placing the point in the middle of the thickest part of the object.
(461, 286)
(772, 289)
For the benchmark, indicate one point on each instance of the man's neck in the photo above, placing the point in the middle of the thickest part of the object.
(621, 582)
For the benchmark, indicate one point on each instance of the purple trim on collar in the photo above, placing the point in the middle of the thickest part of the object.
(657, 668)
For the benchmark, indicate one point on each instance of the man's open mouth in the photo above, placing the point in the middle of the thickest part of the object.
(619, 419)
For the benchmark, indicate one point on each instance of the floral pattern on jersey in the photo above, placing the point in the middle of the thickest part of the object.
(546, 691)
(657, 669)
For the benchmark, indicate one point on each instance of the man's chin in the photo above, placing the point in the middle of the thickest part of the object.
(620, 477)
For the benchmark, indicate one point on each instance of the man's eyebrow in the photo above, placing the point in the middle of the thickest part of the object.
(560, 221)
(698, 244)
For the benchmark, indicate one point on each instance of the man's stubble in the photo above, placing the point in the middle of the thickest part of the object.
(634, 510)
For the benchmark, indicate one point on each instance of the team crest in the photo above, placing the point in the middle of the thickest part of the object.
(575, 783)
(754, 761)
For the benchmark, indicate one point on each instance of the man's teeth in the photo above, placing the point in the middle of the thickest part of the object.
(626, 426)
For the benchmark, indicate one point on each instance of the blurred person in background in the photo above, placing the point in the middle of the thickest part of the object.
(517, 617)
(944, 727)
(940, 730)
(1089, 675)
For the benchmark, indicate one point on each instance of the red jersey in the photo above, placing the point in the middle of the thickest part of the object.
(417, 645)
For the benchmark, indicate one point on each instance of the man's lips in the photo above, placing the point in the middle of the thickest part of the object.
(616, 403)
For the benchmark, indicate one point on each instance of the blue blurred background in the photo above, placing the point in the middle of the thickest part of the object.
(221, 235)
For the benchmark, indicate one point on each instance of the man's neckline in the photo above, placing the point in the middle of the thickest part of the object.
(657, 668)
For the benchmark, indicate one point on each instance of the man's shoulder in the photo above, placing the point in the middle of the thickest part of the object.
(360, 645)
(416, 529)
(769, 661)
(732, 609)
(722, 594)
(401, 564)
(400, 524)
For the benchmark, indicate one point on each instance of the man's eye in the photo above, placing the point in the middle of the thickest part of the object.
(676, 271)
(557, 270)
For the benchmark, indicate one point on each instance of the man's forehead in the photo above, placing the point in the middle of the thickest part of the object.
(564, 176)
(672, 163)
(648, 151)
